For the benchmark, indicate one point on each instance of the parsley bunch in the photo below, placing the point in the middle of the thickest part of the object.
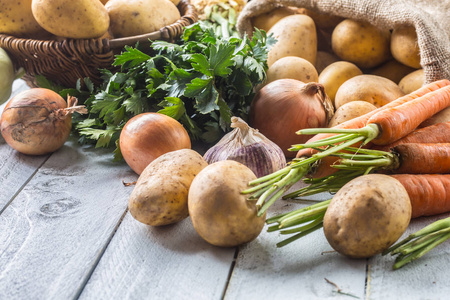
(201, 81)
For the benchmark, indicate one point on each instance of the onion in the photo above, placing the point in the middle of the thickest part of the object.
(147, 136)
(284, 106)
(249, 147)
(38, 121)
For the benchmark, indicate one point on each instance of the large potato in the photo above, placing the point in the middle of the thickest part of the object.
(266, 20)
(296, 36)
(134, 17)
(82, 19)
(160, 196)
(334, 75)
(412, 81)
(361, 43)
(292, 67)
(404, 47)
(350, 110)
(392, 70)
(220, 213)
(17, 19)
(371, 88)
(367, 215)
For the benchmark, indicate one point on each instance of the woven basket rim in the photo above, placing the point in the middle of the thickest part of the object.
(189, 17)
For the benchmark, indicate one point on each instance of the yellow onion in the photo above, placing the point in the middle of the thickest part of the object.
(284, 106)
(249, 147)
(38, 121)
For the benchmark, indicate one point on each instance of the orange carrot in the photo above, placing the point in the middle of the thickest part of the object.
(396, 122)
(422, 158)
(361, 121)
(429, 193)
(437, 133)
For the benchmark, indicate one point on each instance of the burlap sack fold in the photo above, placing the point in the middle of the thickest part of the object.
(433, 33)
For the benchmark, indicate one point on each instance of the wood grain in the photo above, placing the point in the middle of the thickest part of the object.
(58, 225)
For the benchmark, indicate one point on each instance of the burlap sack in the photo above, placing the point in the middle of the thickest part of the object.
(431, 18)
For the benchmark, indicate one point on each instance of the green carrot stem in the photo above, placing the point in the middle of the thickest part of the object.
(283, 185)
(262, 185)
(370, 131)
(278, 173)
(420, 253)
(324, 142)
(313, 221)
(299, 235)
(300, 218)
(378, 162)
(420, 242)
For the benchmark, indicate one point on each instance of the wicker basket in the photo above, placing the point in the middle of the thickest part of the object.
(64, 62)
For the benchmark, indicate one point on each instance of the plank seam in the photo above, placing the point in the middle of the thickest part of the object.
(23, 186)
(99, 257)
(230, 273)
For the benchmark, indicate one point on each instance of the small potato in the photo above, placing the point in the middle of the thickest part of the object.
(350, 111)
(404, 47)
(292, 67)
(220, 213)
(135, 17)
(160, 196)
(333, 76)
(324, 59)
(412, 81)
(296, 36)
(371, 88)
(81, 19)
(367, 215)
(392, 70)
(266, 20)
(361, 43)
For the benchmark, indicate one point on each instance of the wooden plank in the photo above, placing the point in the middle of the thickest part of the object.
(425, 278)
(15, 168)
(169, 262)
(56, 228)
(299, 270)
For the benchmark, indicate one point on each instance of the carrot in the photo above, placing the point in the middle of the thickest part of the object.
(429, 193)
(361, 121)
(422, 158)
(396, 122)
(437, 133)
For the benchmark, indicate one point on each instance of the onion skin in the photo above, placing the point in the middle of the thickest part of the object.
(34, 122)
(147, 136)
(284, 106)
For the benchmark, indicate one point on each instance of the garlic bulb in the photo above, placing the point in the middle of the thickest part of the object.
(249, 147)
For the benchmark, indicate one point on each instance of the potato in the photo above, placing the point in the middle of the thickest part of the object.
(17, 19)
(266, 20)
(292, 67)
(412, 81)
(160, 196)
(220, 213)
(296, 36)
(361, 43)
(134, 17)
(371, 88)
(82, 19)
(367, 215)
(350, 111)
(333, 76)
(392, 70)
(404, 47)
(324, 59)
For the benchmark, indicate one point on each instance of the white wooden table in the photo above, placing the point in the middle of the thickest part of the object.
(65, 233)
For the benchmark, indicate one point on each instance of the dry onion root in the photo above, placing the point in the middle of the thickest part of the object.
(38, 121)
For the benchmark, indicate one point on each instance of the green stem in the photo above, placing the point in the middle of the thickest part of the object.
(317, 219)
(299, 235)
